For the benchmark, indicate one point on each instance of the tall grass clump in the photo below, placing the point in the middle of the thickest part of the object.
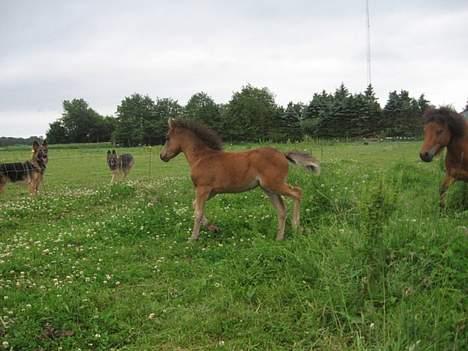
(380, 207)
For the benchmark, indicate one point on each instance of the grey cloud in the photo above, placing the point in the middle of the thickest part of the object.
(105, 50)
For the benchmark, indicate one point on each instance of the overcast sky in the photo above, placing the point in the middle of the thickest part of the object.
(102, 51)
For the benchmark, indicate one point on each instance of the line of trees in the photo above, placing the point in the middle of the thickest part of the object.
(10, 141)
(251, 115)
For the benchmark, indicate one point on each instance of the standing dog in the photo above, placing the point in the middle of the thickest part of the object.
(119, 165)
(31, 172)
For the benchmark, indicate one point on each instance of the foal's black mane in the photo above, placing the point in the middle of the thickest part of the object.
(206, 135)
(446, 115)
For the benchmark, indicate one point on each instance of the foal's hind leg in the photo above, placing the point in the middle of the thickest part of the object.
(291, 191)
(296, 194)
(278, 203)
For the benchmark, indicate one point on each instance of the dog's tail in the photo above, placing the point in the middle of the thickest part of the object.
(308, 162)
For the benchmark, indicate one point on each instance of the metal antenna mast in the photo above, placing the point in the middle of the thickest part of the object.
(368, 54)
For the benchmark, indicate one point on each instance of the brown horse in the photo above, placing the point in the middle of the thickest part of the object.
(214, 171)
(444, 127)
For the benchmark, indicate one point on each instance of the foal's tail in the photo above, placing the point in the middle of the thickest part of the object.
(309, 162)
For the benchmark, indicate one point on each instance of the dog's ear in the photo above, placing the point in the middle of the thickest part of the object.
(113, 152)
(35, 146)
(108, 152)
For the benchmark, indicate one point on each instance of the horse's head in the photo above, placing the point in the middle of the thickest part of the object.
(436, 136)
(441, 126)
(172, 146)
(40, 154)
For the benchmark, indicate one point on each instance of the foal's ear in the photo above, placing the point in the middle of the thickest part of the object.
(169, 122)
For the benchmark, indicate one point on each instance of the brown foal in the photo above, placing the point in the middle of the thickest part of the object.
(444, 127)
(214, 171)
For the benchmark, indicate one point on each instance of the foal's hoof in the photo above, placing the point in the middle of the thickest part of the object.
(213, 228)
(193, 238)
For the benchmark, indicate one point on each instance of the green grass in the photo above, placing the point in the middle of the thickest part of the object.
(91, 266)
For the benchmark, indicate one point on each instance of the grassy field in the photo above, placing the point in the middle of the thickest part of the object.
(90, 266)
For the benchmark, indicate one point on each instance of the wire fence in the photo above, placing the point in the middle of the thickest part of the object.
(87, 166)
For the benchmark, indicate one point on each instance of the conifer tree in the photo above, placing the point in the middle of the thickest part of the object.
(289, 123)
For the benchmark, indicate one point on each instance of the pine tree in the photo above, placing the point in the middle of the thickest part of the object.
(374, 112)
(322, 107)
(403, 114)
(423, 104)
(289, 123)
(319, 106)
(390, 114)
(337, 121)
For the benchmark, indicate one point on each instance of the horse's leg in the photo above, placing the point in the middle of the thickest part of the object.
(295, 193)
(448, 180)
(291, 191)
(278, 203)
(202, 194)
(210, 226)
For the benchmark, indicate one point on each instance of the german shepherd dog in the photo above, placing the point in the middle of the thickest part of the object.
(121, 165)
(31, 172)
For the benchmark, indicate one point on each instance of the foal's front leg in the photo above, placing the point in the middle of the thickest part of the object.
(202, 194)
(204, 222)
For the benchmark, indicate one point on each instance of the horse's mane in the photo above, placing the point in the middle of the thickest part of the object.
(454, 120)
(205, 134)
